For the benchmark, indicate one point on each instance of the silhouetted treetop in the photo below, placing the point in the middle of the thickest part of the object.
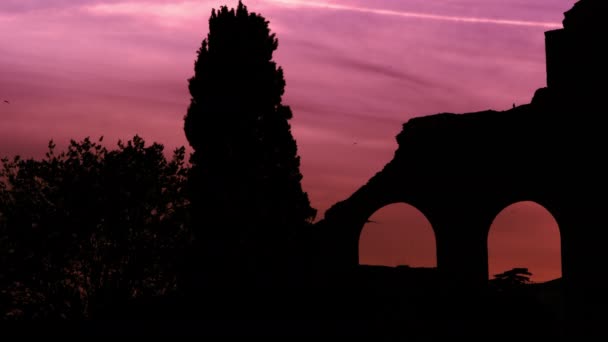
(512, 278)
(234, 73)
(89, 226)
(245, 181)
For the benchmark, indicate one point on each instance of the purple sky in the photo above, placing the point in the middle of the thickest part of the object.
(355, 71)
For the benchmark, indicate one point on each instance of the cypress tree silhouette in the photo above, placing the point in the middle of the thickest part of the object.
(245, 188)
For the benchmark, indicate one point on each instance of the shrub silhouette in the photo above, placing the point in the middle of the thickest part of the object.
(245, 181)
(90, 227)
(511, 279)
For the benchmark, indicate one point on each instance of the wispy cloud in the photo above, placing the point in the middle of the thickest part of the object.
(171, 14)
(178, 9)
(416, 15)
(165, 14)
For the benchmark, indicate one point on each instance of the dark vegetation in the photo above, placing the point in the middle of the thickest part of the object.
(224, 244)
(87, 227)
(91, 233)
(248, 204)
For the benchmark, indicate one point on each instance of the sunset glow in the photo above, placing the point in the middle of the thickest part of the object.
(355, 72)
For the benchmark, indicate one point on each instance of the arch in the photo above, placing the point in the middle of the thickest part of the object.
(397, 234)
(525, 234)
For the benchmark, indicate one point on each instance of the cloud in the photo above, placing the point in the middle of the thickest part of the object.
(21, 6)
(172, 14)
(416, 15)
(355, 71)
(340, 59)
(173, 10)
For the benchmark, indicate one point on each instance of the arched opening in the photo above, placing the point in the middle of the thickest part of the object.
(525, 235)
(398, 234)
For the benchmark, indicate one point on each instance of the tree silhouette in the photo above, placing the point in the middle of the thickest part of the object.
(245, 182)
(89, 228)
(511, 279)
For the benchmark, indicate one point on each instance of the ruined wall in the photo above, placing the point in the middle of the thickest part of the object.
(462, 170)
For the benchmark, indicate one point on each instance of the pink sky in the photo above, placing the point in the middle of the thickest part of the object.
(355, 71)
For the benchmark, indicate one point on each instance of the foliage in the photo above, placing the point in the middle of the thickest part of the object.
(245, 181)
(511, 279)
(90, 226)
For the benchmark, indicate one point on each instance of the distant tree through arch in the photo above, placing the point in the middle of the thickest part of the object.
(525, 235)
(398, 234)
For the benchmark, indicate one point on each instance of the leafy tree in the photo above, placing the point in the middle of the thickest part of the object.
(511, 279)
(245, 181)
(89, 227)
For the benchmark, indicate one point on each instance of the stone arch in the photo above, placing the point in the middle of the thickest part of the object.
(549, 151)
(344, 221)
(534, 206)
(412, 210)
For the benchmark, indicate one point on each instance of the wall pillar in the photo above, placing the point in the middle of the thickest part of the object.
(462, 253)
(584, 274)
